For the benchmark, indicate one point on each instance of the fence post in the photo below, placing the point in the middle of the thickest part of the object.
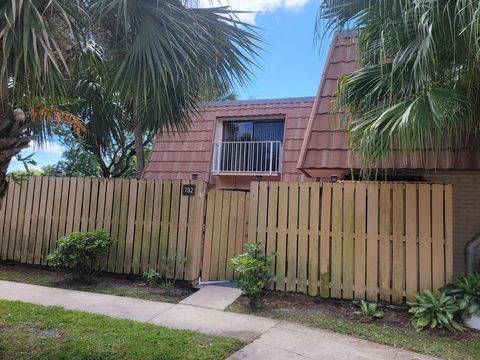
(195, 232)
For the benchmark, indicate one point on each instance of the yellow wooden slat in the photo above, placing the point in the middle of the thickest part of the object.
(348, 245)
(48, 219)
(132, 209)
(156, 218)
(34, 219)
(425, 239)
(216, 235)
(241, 221)
(107, 216)
(14, 227)
(64, 206)
(303, 237)
(360, 240)
(21, 221)
(57, 203)
(71, 204)
(28, 215)
(313, 245)
(147, 229)
(39, 238)
(182, 229)
(122, 228)
(262, 214)
(165, 222)
(448, 234)
(92, 212)
(139, 221)
(6, 237)
(195, 232)
(232, 233)
(325, 240)
(272, 225)
(282, 236)
(385, 255)
(292, 237)
(77, 217)
(372, 242)
(222, 259)
(253, 212)
(87, 193)
(3, 240)
(336, 259)
(398, 251)
(208, 241)
(438, 240)
(117, 205)
(411, 283)
(174, 212)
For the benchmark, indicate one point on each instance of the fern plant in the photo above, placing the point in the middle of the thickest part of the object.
(369, 310)
(434, 311)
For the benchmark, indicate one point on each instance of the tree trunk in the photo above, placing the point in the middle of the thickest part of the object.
(139, 149)
(12, 139)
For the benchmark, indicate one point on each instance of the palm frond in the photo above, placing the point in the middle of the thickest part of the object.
(417, 89)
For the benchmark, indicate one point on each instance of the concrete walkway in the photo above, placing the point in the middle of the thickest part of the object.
(213, 297)
(269, 339)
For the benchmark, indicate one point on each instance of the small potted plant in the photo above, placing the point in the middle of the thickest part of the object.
(466, 292)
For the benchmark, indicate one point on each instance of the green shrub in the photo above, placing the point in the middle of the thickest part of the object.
(170, 268)
(152, 277)
(369, 310)
(81, 252)
(253, 268)
(466, 292)
(434, 311)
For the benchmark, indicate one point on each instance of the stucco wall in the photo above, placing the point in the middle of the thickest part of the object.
(466, 212)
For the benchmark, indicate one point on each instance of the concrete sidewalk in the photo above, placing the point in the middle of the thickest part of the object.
(269, 339)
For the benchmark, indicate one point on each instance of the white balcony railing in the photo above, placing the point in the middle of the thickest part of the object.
(263, 157)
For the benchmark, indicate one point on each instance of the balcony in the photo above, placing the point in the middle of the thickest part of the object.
(247, 157)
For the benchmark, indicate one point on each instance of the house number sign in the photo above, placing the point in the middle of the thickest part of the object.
(188, 189)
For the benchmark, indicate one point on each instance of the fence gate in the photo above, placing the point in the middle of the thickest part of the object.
(225, 232)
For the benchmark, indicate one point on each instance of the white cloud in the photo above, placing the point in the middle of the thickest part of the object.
(255, 6)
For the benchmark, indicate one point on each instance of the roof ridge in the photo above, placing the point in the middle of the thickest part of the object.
(259, 101)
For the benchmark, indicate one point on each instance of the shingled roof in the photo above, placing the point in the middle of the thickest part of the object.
(325, 144)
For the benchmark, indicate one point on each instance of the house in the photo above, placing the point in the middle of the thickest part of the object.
(231, 144)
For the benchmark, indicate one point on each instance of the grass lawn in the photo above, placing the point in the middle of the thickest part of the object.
(105, 284)
(36, 332)
(440, 344)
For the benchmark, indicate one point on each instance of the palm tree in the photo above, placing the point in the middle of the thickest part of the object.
(157, 50)
(162, 51)
(37, 39)
(418, 85)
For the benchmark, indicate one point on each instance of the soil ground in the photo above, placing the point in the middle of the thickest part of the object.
(132, 286)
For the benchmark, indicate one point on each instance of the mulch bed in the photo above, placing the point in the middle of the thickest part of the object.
(303, 306)
(105, 282)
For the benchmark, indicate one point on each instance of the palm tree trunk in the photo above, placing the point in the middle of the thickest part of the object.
(139, 149)
(12, 139)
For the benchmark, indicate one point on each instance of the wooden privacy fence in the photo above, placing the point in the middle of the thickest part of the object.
(364, 240)
(150, 218)
(225, 232)
(355, 239)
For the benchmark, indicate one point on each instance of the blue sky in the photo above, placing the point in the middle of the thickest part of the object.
(290, 66)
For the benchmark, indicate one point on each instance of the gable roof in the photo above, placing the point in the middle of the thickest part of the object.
(326, 139)
(325, 145)
(177, 155)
